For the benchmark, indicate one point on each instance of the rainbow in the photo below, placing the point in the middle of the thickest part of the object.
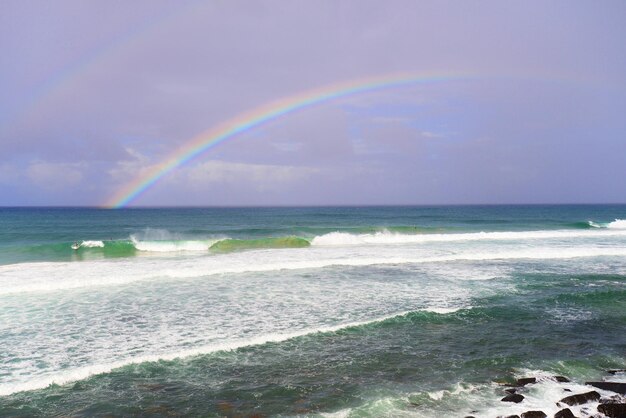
(124, 41)
(258, 116)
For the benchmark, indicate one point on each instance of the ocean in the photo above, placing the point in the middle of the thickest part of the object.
(324, 312)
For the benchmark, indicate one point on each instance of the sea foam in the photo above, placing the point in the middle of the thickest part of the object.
(163, 241)
(617, 224)
(46, 277)
(386, 237)
(92, 244)
(67, 376)
(171, 246)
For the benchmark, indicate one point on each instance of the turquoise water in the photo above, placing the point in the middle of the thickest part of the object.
(345, 312)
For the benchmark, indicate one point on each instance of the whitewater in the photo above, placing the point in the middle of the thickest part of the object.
(218, 289)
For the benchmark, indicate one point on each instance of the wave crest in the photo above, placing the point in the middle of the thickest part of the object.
(386, 237)
(164, 241)
(92, 244)
(171, 246)
(617, 224)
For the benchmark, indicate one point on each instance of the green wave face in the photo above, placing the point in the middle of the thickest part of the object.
(230, 245)
(113, 249)
(62, 251)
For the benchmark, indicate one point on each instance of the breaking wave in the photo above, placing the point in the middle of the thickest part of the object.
(160, 241)
(386, 237)
(81, 373)
(92, 244)
(616, 224)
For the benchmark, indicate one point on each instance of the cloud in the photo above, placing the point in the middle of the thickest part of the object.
(427, 134)
(141, 80)
(55, 176)
(126, 170)
(261, 177)
(220, 183)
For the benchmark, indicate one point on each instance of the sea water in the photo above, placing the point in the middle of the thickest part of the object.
(344, 312)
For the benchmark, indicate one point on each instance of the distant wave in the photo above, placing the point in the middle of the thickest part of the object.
(616, 224)
(228, 245)
(160, 241)
(583, 225)
(386, 237)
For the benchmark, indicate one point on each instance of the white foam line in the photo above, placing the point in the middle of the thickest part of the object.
(386, 237)
(120, 275)
(444, 311)
(92, 244)
(617, 224)
(85, 372)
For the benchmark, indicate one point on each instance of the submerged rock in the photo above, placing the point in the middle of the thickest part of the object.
(561, 379)
(534, 414)
(613, 410)
(510, 391)
(612, 386)
(564, 413)
(525, 381)
(581, 398)
(514, 397)
(615, 371)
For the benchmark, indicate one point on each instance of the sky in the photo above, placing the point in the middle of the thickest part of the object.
(93, 94)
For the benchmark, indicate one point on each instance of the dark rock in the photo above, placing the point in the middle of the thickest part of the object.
(613, 410)
(581, 398)
(508, 416)
(525, 381)
(615, 371)
(567, 390)
(561, 379)
(612, 386)
(470, 416)
(510, 391)
(564, 413)
(515, 397)
(534, 414)
(612, 399)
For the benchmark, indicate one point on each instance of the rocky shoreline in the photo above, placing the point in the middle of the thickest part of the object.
(605, 398)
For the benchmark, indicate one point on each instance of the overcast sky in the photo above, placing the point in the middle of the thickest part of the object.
(94, 93)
